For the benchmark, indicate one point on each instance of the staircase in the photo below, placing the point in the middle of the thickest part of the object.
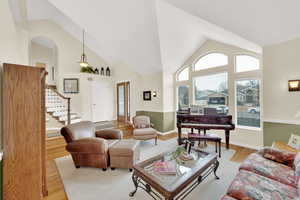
(58, 108)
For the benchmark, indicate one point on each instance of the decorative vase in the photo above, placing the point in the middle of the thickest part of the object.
(107, 71)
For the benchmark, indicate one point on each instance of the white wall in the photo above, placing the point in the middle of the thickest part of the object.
(13, 40)
(42, 54)
(13, 45)
(69, 49)
(281, 63)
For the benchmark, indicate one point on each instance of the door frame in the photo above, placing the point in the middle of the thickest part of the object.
(126, 116)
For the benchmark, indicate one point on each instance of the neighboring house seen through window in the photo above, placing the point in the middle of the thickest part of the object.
(212, 91)
(247, 103)
(183, 97)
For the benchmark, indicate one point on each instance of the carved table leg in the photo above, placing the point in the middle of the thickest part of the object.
(216, 168)
(136, 184)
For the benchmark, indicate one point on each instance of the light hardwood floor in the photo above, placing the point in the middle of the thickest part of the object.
(56, 149)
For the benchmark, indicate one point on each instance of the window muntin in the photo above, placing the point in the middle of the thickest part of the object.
(211, 91)
(183, 97)
(183, 75)
(244, 63)
(211, 60)
(248, 103)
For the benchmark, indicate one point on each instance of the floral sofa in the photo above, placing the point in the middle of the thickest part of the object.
(268, 174)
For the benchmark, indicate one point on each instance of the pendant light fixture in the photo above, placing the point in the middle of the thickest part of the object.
(83, 61)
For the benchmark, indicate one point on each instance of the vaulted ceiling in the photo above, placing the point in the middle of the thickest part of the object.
(261, 21)
(156, 35)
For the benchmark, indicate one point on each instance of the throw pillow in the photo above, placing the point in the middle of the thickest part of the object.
(294, 141)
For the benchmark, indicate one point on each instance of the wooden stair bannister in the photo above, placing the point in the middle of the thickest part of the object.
(65, 98)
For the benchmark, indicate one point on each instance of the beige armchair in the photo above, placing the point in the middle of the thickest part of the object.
(143, 130)
(89, 147)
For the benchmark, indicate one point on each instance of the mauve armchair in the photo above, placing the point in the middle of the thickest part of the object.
(89, 147)
(143, 130)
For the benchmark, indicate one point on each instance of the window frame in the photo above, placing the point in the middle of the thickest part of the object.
(247, 71)
(259, 79)
(177, 93)
(180, 71)
(206, 54)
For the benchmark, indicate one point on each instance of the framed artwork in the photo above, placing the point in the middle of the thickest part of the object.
(71, 85)
(147, 95)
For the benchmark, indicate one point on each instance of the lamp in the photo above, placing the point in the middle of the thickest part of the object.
(154, 93)
(294, 85)
(83, 61)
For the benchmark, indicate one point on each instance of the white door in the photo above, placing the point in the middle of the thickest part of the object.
(102, 93)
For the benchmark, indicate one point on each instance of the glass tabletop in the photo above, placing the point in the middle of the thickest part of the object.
(181, 170)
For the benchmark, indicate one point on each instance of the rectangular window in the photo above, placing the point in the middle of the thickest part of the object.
(183, 97)
(248, 103)
(211, 91)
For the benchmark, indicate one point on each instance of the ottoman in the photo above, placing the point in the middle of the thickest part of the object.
(124, 154)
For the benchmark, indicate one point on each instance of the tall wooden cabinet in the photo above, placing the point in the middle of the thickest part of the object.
(24, 161)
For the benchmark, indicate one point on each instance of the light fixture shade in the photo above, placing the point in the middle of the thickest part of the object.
(83, 61)
(294, 85)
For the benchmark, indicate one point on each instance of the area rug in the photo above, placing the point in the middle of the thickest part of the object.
(94, 184)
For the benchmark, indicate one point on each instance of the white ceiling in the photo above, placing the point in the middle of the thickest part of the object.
(261, 21)
(156, 35)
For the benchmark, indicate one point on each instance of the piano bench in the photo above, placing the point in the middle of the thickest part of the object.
(208, 137)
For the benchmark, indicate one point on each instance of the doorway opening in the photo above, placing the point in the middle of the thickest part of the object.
(123, 102)
(43, 53)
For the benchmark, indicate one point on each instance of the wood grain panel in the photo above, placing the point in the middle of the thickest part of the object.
(23, 132)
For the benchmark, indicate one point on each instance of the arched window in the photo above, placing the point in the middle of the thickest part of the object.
(183, 75)
(244, 63)
(211, 60)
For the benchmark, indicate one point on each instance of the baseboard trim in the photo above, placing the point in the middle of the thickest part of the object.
(246, 145)
(166, 133)
(234, 143)
(293, 122)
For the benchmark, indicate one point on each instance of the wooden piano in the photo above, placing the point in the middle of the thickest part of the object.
(204, 122)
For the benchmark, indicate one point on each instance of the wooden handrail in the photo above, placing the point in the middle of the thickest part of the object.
(65, 98)
(59, 94)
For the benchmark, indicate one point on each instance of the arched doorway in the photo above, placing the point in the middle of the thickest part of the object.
(43, 53)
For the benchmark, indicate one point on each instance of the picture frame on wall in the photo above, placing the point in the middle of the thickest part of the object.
(147, 95)
(71, 85)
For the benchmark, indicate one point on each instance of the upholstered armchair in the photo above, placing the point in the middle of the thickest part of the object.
(89, 147)
(143, 129)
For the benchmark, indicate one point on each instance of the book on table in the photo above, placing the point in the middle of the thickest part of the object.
(165, 167)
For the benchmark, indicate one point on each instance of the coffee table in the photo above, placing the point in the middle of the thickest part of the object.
(188, 176)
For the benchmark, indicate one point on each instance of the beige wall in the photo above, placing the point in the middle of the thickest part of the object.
(168, 92)
(152, 82)
(245, 137)
(281, 63)
(123, 73)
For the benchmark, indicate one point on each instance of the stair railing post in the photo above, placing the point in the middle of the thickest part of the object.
(69, 111)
